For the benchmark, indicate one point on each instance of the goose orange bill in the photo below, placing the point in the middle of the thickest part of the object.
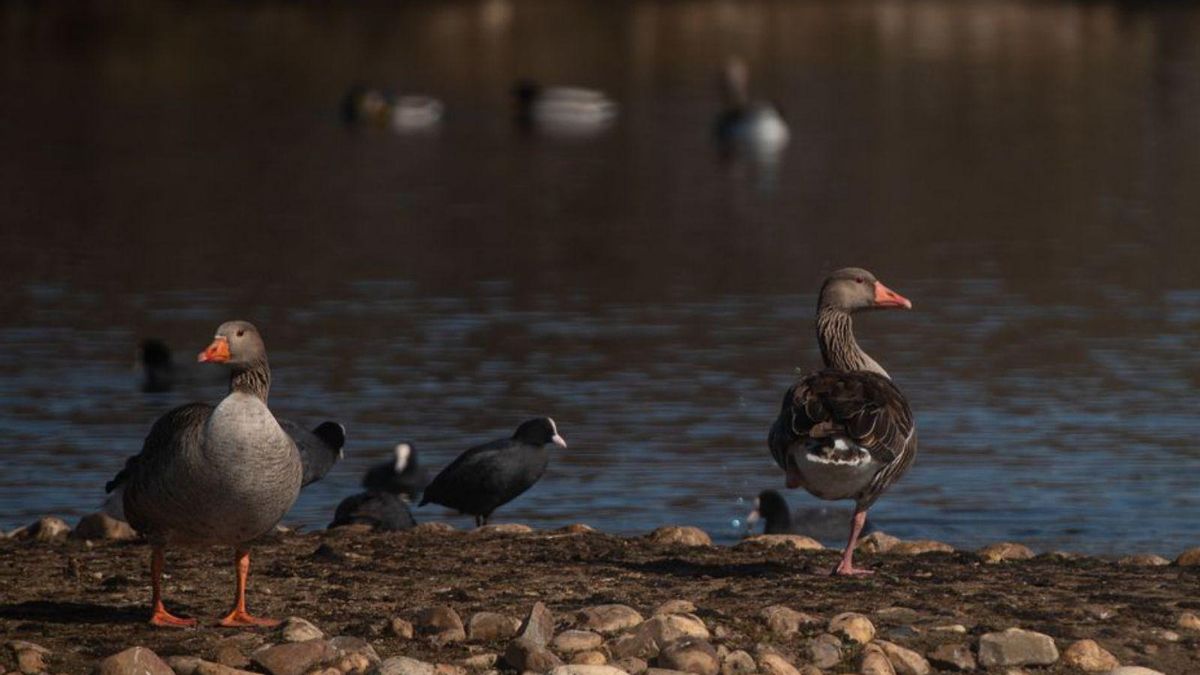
(217, 352)
(886, 297)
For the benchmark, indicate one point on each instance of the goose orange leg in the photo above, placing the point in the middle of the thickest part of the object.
(159, 616)
(238, 616)
(846, 566)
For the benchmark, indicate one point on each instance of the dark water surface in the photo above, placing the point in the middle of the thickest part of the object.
(1028, 173)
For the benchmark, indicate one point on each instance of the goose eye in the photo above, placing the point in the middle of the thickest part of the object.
(241, 332)
(858, 279)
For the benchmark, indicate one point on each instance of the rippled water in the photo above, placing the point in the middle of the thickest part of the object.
(1024, 172)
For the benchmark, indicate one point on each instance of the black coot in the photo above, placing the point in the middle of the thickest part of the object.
(320, 448)
(402, 476)
(381, 510)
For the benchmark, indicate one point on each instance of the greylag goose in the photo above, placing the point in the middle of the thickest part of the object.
(158, 369)
(402, 476)
(319, 449)
(754, 125)
(846, 432)
(210, 475)
(381, 510)
(564, 110)
(488, 476)
(822, 524)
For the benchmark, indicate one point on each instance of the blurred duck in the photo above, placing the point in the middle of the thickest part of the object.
(381, 510)
(753, 125)
(158, 369)
(402, 476)
(822, 524)
(568, 110)
(369, 107)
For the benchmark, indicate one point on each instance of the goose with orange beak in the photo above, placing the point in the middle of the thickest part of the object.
(846, 432)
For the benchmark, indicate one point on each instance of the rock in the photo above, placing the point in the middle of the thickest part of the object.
(1133, 670)
(30, 657)
(680, 535)
(1016, 647)
(995, 553)
(358, 662)
(400, 628)
(571, 641)
(632, 665)
(953, 656)
(798, 542)
(1143, 560)
(294, 658)
(492, 626)
(296, 629)
(877, 542)
(664, 671)
(737, 663)
(894, 614)
(1089, 657)
(675, 607)
(854, 626)
(442, 623)
(229, 654)
(1189, 558)
(1165, 635)
(774, 664)
(904, 661)
(950, 628)
(48, 528)
(481, 661)
(785, 621)
(448, 669)
(608, 619)
(637, 644)
(524, 654)
(690, 655)
(1189, 620)
(191, 665)
(919, 546)
(103, 526)
(538, 627)
(433, 528)
(402, 665)
(589, 658)
(825, 650)
(348, 645)
(577, 528)
(503, 528)
(875, 662)
(582, 669)
(133, 661)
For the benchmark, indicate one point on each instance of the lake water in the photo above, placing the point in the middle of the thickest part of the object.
(1025, 172)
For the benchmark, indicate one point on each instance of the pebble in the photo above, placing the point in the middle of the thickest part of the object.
(400, 628)
(103, 526)
(538, 627)
(798, 542)
(784, 621)
(920, 546)
(666, 628)
(294, 658)
(402, 665)
(577, 528)
(875, 662)
(636, 645)
(1090, 657)
(348, 645)
(995, 553)
(664, 671)
(632, 665)
(680, 535)
(737, 662)
(435, 527)
(133, 661)
(1143, 560)
(448, 669)
(30, 657)
(774, 664)
(825, 650)
(904, 661)
(296, 629)
(1133, 670)
(191, 665)
(1189, 558)
(503, 528)
(690, 655)
(525, 654)
(950, 628)
(854, 626)
(953, 656)
(486, 626)
(675, 607)
(230, 654)
(571, 641)
(1189, 620)
(481, 661)
(46, 528)
(609, 619)
(583, 669)
(1016, 647)
(1165, 635)
(877, 542)
(442, 623)
(589, 658)
(897, 614)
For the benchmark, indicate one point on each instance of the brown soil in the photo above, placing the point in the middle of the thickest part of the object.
(85, 601)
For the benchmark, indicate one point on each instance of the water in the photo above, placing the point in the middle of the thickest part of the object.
(1024, 172)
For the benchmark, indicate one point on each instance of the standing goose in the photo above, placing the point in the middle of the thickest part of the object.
(213, 475)
(846, 432)
(489, 476)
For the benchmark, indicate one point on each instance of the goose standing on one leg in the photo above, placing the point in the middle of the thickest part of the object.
(208, 476)
(846, 432)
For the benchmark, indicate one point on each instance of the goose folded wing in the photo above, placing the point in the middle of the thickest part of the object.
(167, 437)
(862, 407)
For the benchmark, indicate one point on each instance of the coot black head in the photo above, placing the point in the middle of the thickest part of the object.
(157, 365)
(774, 511)
(539, 431)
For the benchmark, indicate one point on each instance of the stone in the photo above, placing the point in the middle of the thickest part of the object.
(577, 528)
(441, 623)
(589, 658)
(798, 542)
(608, 619)
(296, 629)
(920, 546)
(953, 656)
(737, 663)
(875, 662)
(949, 628)
(1165, 635)
(1090, 657)
(294, 658)
(690, 655)
(358, 662)
(904, 661)
(133, 661)
(228, 653)
(492, 626)
(31, 662)
(666, 628)
(448, 669)
(856, 627)
(583, 669)
(191, 665)
(434, 527)
(633, 645)
(1143, 560)
(503, 528)
(632, 665)
(774, 664)
(402, 665)
(1189, 558)
(664, 671)
(825, 650)
(481, 661)
(675, 607)
(1189, 620)
(48, 528)
(1134, 670)
(538, 627)
(680, 535)
(785, 621)
(877, 542)
(996, 553)
(103, 526)
(571, 641)
(349, 645)
(1016, 647)
(895, 614)
(400, 628)
(524, 654)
